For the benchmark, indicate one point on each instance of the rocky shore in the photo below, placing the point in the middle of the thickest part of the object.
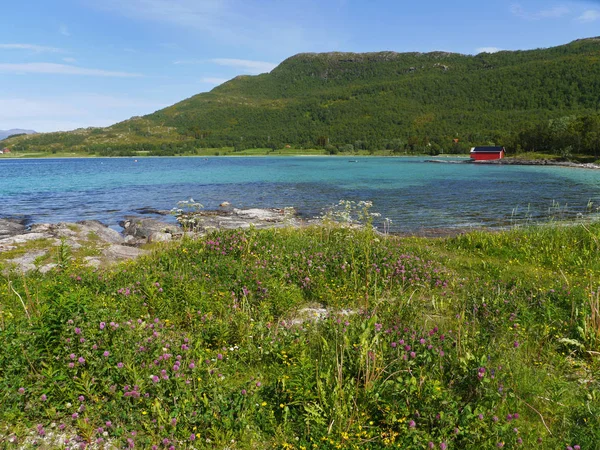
(521, 162)
(41, 246)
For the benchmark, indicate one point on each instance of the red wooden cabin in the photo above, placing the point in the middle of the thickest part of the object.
(487, 153)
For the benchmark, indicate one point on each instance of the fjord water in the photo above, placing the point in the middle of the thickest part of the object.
(413, 193)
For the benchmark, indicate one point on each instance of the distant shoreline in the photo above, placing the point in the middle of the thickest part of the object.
(443, 158)
(523, 162)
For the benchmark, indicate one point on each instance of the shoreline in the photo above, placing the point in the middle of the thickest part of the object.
(522, 162)
(443, 159)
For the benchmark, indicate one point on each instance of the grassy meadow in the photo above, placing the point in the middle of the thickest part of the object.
(325, 337)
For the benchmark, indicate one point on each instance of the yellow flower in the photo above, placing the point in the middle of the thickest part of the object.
(263, 404)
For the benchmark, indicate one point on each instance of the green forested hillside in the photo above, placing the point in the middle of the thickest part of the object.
(546, 99)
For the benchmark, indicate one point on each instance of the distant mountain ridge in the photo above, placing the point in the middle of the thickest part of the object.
(6, 133)
(364, 101)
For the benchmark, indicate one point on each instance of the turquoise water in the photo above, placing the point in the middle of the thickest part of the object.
(411, 192)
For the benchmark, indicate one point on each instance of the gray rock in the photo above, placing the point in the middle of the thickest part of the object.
(10, 227)
(159, 236)
(47, 268)
(144, 227)
(23, 238)
(121, 252)
(26, 262)
(265, 215)
(102, 231)
(93, 261)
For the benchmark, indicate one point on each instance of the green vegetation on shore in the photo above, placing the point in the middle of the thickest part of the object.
(323, 337)
(537, 100)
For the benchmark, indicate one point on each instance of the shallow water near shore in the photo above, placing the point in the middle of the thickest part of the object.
(414, 194)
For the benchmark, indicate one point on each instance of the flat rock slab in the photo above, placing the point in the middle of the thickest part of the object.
(104, 233)
(120, 252)
(26, 262)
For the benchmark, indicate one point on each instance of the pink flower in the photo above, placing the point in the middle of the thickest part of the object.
(120, 365)
(106, 354)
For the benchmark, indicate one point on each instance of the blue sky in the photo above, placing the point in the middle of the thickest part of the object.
(66, 64)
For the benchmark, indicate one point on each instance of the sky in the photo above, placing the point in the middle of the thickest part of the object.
(67, 64)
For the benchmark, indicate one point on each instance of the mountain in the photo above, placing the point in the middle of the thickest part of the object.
(6, 133)
(365, 101)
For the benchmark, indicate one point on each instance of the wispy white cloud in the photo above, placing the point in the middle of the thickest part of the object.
(552, 13)
(73, 111)
(60, 69)
(488, 49)
(591, 15)
(225, 21)
(245, 65)
(22, 108)
(207, 15)
(249, 66)
(213, 80)
(64, 30)
(31, 48)
(69, 60)
(557, 11)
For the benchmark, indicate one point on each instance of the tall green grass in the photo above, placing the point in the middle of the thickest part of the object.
(324, 337)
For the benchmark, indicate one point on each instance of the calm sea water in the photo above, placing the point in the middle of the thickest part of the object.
(411, 192)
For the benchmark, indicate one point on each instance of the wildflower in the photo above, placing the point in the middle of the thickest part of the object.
(108, 424)
(155, 379)
(120, 365)
(21, 390)
(81, 360)
(412, 424)
(81, 398)
(192, 437)
(192, 365)
(43, 397)
(75, 415)
(258, 384)
(443, 446)
(516, 344)
(219, 356)
(106, 354)
(77, 330)
(73, 356)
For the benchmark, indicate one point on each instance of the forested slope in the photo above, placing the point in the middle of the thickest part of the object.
(527, 100)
